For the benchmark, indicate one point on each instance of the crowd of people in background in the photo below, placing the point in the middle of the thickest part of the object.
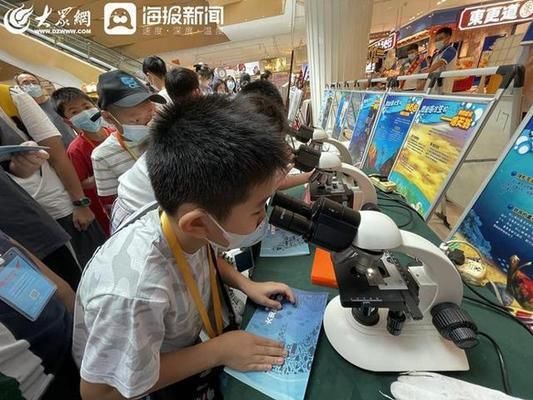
(72, 203)
(444, 58)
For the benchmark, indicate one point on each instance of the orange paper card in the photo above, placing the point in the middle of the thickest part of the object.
(322, 272)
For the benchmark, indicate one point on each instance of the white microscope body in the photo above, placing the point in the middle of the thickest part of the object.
(419, 346)
(336, 174)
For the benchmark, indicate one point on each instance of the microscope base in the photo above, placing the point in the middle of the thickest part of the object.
(418, 348)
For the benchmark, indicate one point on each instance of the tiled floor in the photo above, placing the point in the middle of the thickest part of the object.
(453, 212)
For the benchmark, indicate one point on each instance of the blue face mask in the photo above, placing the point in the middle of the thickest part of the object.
(135, 133)
(83, 121)
(33, 90)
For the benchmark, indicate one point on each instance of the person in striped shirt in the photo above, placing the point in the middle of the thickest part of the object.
(127, 104)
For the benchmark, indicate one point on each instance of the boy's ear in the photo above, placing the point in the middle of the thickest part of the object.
(194, 223)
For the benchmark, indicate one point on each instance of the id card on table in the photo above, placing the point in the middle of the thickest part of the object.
(23, 286)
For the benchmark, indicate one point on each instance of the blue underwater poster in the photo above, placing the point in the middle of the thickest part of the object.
(325, 107)
(351, 115)
(500, 225)
(298, 326)
(363, 126)
(391, 128)
(442, 129)
(342, 109)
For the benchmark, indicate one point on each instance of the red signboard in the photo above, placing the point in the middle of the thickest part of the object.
(506, 12)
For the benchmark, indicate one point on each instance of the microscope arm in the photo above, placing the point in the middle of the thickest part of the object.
(343, 150)
(438, 268)
(363, 182)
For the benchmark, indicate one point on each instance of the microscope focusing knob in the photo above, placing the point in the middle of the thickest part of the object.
(395, 321)
(455, 324)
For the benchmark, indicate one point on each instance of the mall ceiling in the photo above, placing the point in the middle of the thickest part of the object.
(252, 30)
(156, 41)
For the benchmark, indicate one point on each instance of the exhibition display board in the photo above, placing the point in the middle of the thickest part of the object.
(333, 109)
(368, 111)
(325, 107)
(344, 99)
(390, 129)
(442, 132)
(351, 114)
(499, 224)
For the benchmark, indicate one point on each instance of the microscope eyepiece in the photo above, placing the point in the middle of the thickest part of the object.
(306, 158)
(290, 203)
(290, 221)
(326, 223)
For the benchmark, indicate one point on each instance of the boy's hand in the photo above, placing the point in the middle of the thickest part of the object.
(264, 293)
(243, 351)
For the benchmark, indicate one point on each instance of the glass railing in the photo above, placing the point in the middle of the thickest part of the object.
(78, 46)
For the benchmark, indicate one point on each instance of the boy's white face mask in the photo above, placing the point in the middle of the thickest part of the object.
(236, 241)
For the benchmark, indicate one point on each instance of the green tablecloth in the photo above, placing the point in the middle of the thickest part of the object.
(334, 378)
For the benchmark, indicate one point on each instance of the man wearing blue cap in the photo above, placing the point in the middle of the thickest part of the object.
(128, 104)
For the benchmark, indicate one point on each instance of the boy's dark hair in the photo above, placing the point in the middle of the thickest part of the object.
(154, 65)
(265, 75)
(62, 96)
(212, 152)
(412, 46)
(266, 106)
(446, 30)
(205, 72)
(244, 79)
(180, 83)
(264, 87)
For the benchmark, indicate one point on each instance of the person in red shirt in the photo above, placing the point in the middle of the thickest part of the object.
(79, 112)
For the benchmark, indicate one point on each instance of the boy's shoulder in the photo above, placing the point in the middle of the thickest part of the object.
(130, 263)
(108, 147)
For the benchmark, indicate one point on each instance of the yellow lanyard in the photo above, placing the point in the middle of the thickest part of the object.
(185, 270)
(123, 144)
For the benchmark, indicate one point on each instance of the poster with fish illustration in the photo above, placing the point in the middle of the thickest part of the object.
(393, 123)
(442, 130)
(368, 112)
(499, 223)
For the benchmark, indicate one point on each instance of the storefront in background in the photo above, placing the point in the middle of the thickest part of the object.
(479, 27)
(476, 29)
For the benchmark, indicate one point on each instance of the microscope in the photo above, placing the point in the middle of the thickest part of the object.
(334, 179)
(317, 138)
(388, 316)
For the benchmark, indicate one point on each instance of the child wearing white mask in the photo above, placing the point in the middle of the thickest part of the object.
(157, 283)
(127, 104)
